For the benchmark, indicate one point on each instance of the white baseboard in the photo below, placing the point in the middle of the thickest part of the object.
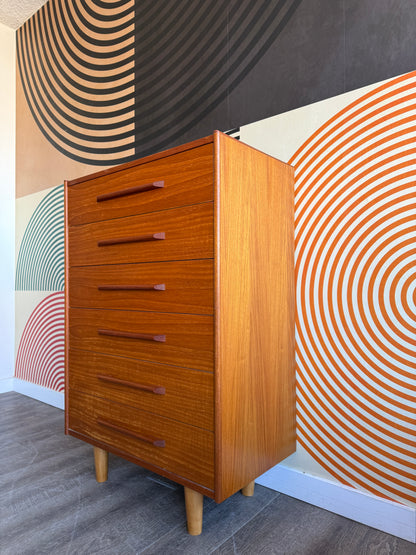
(6, 384)
(40, 393)
(376, 512)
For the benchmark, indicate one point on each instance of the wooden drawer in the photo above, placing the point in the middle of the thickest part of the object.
(178, 234)
(179, 393)
(176, 339)
(162, 286)
(187, 451)
(187, 178)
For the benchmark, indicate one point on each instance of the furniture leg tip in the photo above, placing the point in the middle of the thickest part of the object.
(248, 490)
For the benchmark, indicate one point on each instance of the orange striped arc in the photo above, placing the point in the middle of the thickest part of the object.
(356, 290)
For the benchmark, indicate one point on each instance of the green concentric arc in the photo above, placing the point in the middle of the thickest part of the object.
(40, 263)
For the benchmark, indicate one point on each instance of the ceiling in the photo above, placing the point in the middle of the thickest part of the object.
(13, 13)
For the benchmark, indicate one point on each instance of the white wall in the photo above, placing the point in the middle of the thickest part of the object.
(7, 202)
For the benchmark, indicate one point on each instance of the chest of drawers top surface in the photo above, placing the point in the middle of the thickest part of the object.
(180, 313)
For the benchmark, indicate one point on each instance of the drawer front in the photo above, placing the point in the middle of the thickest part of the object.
(176, 339)
(179, 393)
(177, 180)
(184, 450)
(179, 234)
(162, 286)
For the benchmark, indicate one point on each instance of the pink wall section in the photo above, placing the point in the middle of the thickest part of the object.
(41, 355)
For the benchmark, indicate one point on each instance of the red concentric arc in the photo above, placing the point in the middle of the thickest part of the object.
(356, 284)
(40, 356)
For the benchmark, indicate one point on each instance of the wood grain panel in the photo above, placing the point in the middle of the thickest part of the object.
(188, 286)
(255, 377)
(188, 393)
(188, 235)
(187, 177)
(189, 337)
(188, 451)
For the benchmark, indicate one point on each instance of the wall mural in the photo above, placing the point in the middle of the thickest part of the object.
(355, 230)
(356, 284)
(40, 270)
(40, 260)
(105, 82)
(41, 354)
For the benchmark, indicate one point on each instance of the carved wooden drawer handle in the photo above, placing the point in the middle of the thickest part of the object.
(156, 287)
(125, 431)
(131, 191)
(131, 335)
(156, 389)
(136, 239)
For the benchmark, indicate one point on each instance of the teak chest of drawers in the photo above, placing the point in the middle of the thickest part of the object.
(180, 316)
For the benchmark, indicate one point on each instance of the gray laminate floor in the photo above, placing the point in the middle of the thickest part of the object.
(50, 503)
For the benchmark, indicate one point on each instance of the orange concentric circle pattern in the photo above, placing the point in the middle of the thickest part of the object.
(356, 292)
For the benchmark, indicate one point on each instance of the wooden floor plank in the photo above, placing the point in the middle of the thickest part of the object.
(292, 527)
(50, 503)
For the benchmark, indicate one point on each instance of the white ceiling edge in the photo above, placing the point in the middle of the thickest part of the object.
(13, 13)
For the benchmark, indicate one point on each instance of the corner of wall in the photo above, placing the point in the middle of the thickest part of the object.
(7, 197)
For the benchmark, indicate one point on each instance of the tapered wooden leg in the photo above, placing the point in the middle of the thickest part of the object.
(101, 464)
(194, 511)
(248, 490)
